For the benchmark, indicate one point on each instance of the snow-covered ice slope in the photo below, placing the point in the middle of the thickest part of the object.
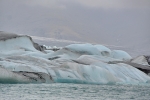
(21, 62)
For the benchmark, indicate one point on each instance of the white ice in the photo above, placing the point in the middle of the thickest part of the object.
(75, 63)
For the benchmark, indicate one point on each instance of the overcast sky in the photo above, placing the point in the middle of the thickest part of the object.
(114, 22)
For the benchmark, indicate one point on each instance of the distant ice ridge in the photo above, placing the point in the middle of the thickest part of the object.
(23, 61)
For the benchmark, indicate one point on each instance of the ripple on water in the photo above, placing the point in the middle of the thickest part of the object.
(73, 92)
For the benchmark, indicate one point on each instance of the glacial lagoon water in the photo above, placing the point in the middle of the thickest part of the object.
(64, 91)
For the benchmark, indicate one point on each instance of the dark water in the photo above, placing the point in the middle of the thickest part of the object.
(65, 91)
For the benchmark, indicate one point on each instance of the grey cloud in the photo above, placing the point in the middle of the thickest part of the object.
(106, 4)
(46, 3)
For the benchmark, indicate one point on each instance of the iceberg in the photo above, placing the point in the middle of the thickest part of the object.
(24, 61)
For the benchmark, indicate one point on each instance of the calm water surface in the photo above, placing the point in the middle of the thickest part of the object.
(63, 91)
